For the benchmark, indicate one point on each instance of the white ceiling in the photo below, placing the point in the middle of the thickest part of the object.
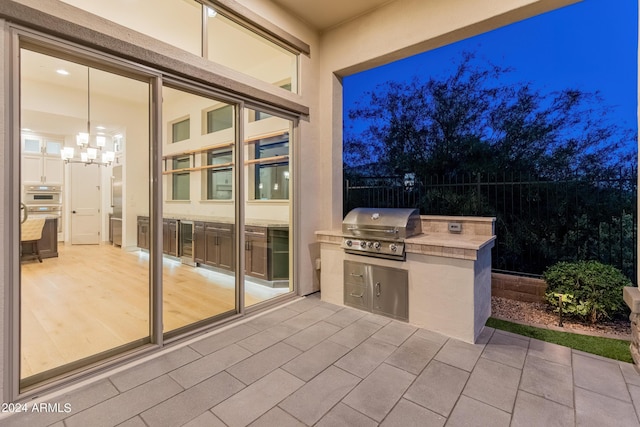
(323, 14)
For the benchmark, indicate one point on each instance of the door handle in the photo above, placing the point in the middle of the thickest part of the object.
(26, 212)
(73, 211)
(378, 289)
(356, 296)
(356, 275)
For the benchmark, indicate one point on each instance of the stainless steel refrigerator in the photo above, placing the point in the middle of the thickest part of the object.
(116, 205)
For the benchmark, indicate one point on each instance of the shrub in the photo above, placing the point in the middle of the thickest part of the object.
(592, 290)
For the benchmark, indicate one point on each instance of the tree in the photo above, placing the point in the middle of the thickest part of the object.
(469, 122)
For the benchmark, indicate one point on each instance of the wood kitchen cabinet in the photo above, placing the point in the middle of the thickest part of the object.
(170, 237)
(143, 232)
(267, 252)
(219, 247)
(255, 250)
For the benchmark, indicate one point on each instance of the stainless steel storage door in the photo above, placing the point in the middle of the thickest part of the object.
(381, 290)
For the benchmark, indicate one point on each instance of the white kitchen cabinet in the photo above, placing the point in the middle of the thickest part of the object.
(41, 161)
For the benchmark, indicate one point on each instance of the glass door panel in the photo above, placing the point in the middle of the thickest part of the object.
(84, 292)
(199, 278)
(268, 184)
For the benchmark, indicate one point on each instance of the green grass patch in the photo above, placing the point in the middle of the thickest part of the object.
(606, 347)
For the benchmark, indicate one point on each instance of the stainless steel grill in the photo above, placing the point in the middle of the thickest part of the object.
(379, 232)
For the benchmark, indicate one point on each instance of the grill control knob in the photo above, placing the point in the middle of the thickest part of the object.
(376, 245)
(393, 247)
(363, 244)
(370, 245)
(349, 243)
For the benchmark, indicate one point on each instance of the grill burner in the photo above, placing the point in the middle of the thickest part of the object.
(379, 232)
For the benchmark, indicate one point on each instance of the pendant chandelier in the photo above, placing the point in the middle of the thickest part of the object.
(88, 152)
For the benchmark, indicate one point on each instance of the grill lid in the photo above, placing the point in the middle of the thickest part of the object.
(384, 223)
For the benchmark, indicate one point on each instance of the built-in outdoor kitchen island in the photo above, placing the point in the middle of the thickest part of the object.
(448, 270)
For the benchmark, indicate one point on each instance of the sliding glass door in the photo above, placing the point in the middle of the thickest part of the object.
(84, 168)
(141, 220)
(198, 209)
(268, 197)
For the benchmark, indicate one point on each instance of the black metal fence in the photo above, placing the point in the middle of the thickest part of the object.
(538, 222)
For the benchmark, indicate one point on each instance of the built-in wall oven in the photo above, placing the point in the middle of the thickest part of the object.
(44, 201)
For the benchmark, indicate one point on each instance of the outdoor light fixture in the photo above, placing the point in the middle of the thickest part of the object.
(88, 153)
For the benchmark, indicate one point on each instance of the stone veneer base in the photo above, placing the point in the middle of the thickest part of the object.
(631, 296)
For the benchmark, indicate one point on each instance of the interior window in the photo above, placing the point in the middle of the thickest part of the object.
(180, 131)
(181, 184)
(272, 168)
(220, 119)
(219, 179)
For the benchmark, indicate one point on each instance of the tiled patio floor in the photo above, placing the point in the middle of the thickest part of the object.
(313, 363)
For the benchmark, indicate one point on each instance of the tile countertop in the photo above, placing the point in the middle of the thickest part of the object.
(428, 243)
(226, 220)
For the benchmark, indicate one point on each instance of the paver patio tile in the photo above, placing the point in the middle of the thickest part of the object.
(223, 339)
(470, 412)
(366, 357)
(395, 333)
(460, 354)
(194, 401)
(260, 364)
(408, 414)
(207, 419)
(251, 403)
(312, 335)
(549, 351)
(276, 417)
(210, 365)
(600, 375)
(345, 317)
(126, 405)
(313, 361)
(438, 387)
(377, 394)
(593, 409)
(494, 383)
(311, 401)
(535, 411)
(414, 354)
(548, 380)
(154, 368)
(507, 349)
(354, 334)
(342, 415)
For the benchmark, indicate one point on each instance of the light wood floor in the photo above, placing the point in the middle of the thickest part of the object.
(93, 298)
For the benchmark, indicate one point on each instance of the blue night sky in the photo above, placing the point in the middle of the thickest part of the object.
(590, 46)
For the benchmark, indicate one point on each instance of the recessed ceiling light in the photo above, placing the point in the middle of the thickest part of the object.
(100, 127)
(26, 129)
(62, 72)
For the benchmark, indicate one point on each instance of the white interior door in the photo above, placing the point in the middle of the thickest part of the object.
(85, 204)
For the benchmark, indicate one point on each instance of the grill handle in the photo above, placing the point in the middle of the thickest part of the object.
(376, 230)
